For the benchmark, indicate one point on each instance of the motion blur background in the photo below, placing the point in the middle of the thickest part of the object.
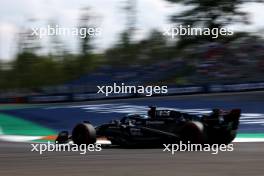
(132, 48)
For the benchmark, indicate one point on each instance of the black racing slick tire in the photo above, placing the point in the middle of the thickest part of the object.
(193, 132)
(84, 133)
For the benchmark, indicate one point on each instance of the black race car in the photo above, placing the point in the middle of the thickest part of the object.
(160, 127)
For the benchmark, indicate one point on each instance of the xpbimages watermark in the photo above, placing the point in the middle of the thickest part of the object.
(128, 89)
(181, 30)
(55, 147)
(82, 32)
(189, 147)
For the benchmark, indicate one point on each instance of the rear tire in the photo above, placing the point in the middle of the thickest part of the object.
(193, 132)
(84, 133)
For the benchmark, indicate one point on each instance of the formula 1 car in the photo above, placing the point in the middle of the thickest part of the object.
(160, 127)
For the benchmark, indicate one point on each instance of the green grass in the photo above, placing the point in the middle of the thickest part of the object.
(250, 135)
(11, 125)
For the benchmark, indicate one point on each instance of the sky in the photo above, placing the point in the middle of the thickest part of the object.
(17, 14)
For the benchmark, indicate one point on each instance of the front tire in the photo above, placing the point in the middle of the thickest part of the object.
(84, 133)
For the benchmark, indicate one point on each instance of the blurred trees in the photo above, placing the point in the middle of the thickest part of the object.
(210, 14)
(151, 49)
(126, 49)
(31, 69)
(85, 59)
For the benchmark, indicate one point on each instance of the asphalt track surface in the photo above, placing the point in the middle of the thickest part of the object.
(247, 159)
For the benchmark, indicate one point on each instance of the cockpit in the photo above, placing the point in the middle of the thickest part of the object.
(131, 117)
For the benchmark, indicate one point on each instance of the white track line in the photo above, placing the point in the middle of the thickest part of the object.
(18, 138)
